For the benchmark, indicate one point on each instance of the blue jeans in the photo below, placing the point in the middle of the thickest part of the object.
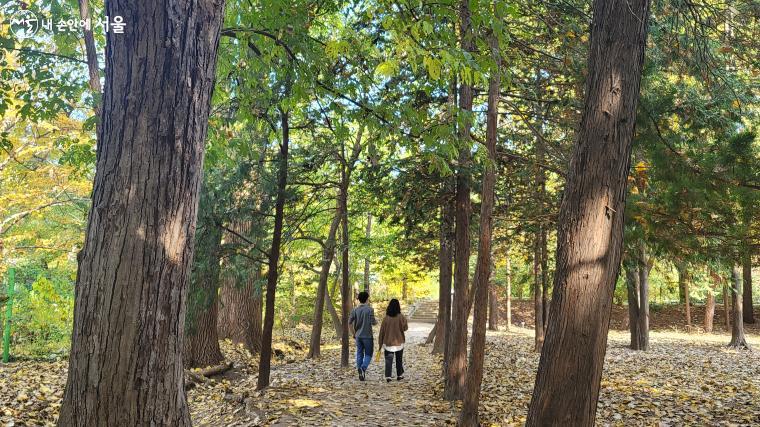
(364, 348)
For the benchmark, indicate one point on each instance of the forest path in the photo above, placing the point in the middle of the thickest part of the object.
(320, 392)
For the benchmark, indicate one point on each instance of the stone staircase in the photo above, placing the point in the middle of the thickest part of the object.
(425, 311)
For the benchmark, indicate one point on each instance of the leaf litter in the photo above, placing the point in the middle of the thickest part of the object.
(685, 379)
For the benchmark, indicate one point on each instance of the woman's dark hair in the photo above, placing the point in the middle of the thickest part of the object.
(394, 308)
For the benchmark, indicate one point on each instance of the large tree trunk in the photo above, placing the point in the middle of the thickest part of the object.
(328, 252)
(240, 316)
(632, 286)
(457, 347)
(469, 414)
(747, 310)
(125, 364)
(644, 267)
(265, 358)
(709, 311)
(445, 259)
(509, 294)
(201, 339)
(590, 232)
(538, 306)
(738, 340)
(241, 298)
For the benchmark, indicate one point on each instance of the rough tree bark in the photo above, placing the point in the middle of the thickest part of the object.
(493, 308)
(265, 358)
(748, 310)
(457, 346)
(709, 311)
(445, 259)
(125, 364)
(590, 232)
(738, 340)
(201, 339)
(726, 310)
(469, 414)
(644, 268)
(241, 301)
(240, 315)
(632, 286)
(337, 325)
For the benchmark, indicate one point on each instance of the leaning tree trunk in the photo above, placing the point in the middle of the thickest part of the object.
(469, 414)
(265, 359)
(457, 347)
(738, 340)
(748, 310)
(590, 232)
(328, 252)
(201, 339)
(709, 311)
(445, 259)
(337, 325)
(125, 364)
(241, 310)
(632, 286)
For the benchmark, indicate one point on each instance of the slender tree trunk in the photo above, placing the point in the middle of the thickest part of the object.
(709, 311)
(125, 364)
(748, 310)
(590, 233)
(688, 304)
(538, 307)
(241, 298)
(328, 252)
(544, 280)
(738, 340)
(683, 289)
(632, 285)
(644, 266)
(445, 259)
(493, 308)
(201, 339)
(404, 289)
(509, 294)
(457, 357)
(331, 307)
(265, 359)
(367, 235)
(469, 414)
(726, 310)
(346, 295)
(92, 60)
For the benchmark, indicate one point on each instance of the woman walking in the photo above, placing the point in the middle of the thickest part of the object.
(392, 339)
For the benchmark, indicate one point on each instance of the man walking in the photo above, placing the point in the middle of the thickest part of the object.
(361, 320)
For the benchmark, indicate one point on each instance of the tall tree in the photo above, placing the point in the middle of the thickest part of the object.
(265, 359)
(748, 310)
(125, 365)
(457, 351)
(590, 221)
(483, 266)
(738, 340)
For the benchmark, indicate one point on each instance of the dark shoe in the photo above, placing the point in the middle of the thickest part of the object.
(388, 380)
(400, 378)
(362, 374)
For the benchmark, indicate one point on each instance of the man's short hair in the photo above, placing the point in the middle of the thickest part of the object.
(363, 297)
